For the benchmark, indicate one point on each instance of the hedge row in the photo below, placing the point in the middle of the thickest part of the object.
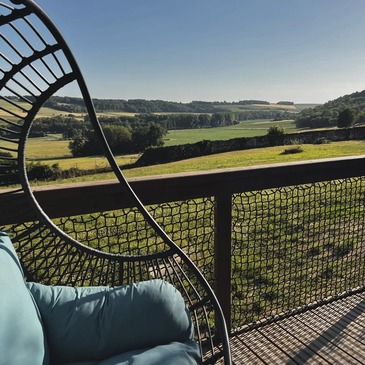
(159, 155)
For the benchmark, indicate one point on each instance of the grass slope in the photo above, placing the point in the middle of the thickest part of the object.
(236, 159)
(247, 128)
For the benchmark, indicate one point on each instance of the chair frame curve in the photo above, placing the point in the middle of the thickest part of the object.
(22, 9)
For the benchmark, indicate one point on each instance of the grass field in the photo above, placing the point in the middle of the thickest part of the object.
(246, 128)
(259, 156)
(48, 112)
(53, 150)
(236, 159)
(236, 108)
(88, 163)
(43, 113)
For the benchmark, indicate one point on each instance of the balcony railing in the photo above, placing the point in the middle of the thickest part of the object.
(272, 240)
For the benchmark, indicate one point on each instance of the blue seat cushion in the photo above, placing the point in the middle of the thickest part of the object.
(96, 323)
(175, 353)
(22, 340)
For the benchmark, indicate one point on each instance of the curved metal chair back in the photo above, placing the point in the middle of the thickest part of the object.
(35, 63)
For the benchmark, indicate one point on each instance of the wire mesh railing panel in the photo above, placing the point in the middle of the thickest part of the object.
(294, 246)
(125, 232)
(190, 224)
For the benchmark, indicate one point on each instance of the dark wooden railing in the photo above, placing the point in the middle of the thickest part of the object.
(59, 201)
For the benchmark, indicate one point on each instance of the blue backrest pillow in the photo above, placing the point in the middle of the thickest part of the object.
(94, 323)
(22, 339)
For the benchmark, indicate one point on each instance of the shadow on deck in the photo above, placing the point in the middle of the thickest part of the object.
(330, 334)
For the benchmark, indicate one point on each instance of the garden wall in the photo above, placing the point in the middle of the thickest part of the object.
(158, 155)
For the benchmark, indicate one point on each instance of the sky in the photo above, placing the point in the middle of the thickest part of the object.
(305, 51)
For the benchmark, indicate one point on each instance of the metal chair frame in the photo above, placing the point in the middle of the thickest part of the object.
(21, 75)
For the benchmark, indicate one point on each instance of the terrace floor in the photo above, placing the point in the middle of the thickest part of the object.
(331, 334)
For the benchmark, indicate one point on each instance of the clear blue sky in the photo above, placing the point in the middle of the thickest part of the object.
(184, 50)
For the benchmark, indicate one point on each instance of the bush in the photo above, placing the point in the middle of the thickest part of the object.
(292, 150)
(38, 171)
(275, 135)
(8, 169)
(346, 118)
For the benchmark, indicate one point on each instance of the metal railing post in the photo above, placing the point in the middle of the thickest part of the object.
(223, 228)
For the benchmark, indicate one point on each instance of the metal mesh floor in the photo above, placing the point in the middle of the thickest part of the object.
(330, 334)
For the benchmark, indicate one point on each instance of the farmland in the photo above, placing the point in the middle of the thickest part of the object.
(261, 156)
(247, 128)
(53, 146)
(53, 149)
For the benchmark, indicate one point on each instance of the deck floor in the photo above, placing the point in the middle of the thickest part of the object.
(331, 334)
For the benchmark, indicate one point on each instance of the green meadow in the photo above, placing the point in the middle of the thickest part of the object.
(235, 159)
(246, 128)
(54, 147)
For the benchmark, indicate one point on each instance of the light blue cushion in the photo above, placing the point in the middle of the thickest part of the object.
(22, 339)
(175, 353)
(95, 323)
(82, 363)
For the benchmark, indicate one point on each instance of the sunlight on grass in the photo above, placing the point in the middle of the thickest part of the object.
(246, 128)
(236, 159)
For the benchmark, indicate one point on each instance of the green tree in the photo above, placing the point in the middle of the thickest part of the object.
(346, 118)
(76, 146)
(275, 135)
(119, 138)
(147, 136)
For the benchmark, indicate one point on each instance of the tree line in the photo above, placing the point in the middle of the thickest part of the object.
(264, 114)
(76, 105)
(125, 134)
(121, 140)
(328, 114)
(70, 126)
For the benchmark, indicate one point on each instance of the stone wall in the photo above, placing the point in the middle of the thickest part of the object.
(158, 155)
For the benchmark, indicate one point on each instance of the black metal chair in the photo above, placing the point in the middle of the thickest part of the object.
(35, 63)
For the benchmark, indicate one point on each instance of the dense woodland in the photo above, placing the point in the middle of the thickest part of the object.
(76, 105)
(327, 115)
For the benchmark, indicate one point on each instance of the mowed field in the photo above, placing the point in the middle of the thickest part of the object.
(54, 147)
(235, 159)
(246, 128)
(48, 112)
(43, 113)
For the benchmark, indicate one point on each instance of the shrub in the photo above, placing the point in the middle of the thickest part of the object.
(291, 150)
(275, 135)
(346, 118)
(38, 171)
(8, 169)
